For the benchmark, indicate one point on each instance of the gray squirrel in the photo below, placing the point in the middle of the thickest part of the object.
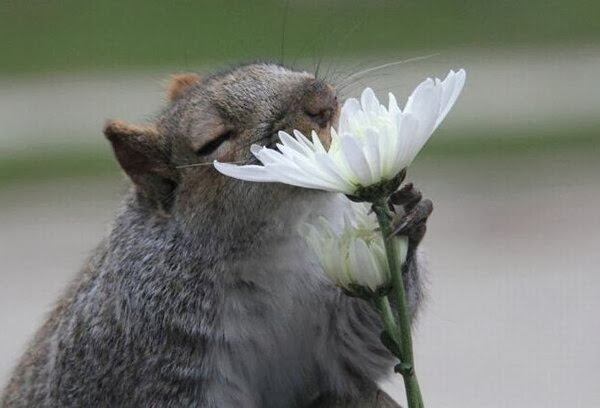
(203, 295)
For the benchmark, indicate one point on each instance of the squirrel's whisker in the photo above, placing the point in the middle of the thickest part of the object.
(387, 65)
(206, 164)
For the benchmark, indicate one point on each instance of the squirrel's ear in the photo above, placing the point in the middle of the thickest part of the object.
(180, 82)
(143, 155)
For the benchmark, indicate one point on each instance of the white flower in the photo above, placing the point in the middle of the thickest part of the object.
(355, 258)
(373, 143)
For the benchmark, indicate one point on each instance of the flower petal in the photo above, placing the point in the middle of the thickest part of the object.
(327, 165)
(369, 101)
(424, 104)
(349, 110)
(292, 143)
(317, 143)
(247, 173)
(356, 160)
(255, 149)
(452, 87)
(303, 140)
(371, 152)
(298, 178)
(269, 156)
(393, 108)
(408, 142)
(367, 271)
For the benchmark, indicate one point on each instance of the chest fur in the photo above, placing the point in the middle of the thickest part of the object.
(273, 321)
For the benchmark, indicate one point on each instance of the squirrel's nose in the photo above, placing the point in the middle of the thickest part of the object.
(321, 103)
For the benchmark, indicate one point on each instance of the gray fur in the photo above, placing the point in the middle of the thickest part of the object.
(203, 295)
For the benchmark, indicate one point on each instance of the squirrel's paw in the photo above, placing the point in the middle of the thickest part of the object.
(412, 212)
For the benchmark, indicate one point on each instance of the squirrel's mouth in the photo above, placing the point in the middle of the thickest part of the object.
(271, 138)
(268, 140)
(271, 141)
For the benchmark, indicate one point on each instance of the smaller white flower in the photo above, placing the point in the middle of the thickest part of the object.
(354, 258)
(373, 144)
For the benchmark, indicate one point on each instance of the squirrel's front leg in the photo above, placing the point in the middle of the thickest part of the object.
(412, 213)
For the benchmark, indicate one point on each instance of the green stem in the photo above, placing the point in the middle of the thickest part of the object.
(413, 393)
(389, 323)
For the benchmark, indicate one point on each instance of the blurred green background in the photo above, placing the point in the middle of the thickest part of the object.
(513, 171)
(53, 35)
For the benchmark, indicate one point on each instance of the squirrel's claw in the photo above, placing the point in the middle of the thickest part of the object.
(412, 221)
(416, 216)
(407, 197)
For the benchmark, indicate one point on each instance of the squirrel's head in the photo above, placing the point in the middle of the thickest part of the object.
(219, 117)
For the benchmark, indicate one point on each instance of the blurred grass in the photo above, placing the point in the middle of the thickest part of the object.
(68, 163)
(70, 35)
(74, 163)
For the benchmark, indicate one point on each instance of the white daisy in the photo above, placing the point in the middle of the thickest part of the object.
(373, 144)
(354, 258)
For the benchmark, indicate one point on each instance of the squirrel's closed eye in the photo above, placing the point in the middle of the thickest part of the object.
(211, 146)
(321, 117)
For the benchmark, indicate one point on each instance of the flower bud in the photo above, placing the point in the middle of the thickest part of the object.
(355, 258)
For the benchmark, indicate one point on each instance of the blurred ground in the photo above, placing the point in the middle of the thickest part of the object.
(512, 315)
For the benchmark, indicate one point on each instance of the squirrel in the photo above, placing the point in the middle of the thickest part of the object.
(203, 295)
